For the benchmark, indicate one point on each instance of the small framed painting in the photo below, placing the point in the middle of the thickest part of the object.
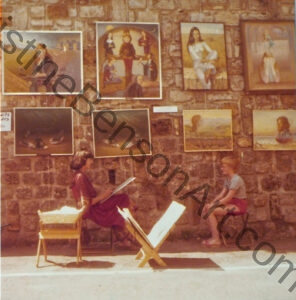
(269, 56)
(42, 62)
(123, 132)
(43, 131)
(274, 129)
(207, 130)
(204, 56)
(128, 60)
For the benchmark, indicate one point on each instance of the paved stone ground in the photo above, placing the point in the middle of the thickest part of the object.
(193, 272)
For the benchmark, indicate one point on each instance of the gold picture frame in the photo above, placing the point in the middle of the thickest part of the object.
(204, 56)
(269, 56)
(207, 130)
(128, 60)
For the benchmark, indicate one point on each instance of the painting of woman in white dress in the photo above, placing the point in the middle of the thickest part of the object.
(268, 48)
(203, 51)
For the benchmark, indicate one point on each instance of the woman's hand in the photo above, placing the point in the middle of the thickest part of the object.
(107, 193)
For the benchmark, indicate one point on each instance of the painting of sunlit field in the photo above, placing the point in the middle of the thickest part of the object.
(204, 56)
(44, 62)
(274, 129)
(207, 130)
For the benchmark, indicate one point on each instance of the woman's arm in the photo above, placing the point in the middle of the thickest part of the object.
(193, 54)
(106, 194)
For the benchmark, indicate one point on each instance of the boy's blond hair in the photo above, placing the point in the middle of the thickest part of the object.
(231, 161)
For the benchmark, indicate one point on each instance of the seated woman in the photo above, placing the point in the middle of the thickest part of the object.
(232, 199)
(103, 213)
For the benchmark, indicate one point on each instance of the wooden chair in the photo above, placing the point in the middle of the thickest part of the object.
(64, 223)
(92, 231)
(152, 242)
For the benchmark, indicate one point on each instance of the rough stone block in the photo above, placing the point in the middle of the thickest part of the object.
(43, 192)
(31, 179)
(135, 4)
(270, 183)
(91, 11)
(162, 127)
(57, 11)
(162, 4)
(290, 182)
(11, 178)
(37, 11)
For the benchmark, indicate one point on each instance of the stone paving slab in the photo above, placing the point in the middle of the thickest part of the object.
(194, 273)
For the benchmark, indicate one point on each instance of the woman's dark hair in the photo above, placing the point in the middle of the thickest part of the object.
(79, 159)
(191, 39)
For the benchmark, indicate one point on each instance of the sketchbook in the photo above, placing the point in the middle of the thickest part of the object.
(124, 184)
(120, 187)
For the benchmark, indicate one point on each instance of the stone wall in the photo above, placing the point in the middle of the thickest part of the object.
(32, 183)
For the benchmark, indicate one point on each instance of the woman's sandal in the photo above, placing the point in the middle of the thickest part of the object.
(211, 243)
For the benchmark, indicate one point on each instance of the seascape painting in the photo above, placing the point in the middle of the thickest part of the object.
(207, 130)
(274, 129)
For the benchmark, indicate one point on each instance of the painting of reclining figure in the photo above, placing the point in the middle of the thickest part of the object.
(43, 131)
(207, 130)
(47, 62)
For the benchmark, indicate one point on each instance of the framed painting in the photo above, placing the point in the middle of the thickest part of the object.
(43, 131)
(204, 56)
(207, 130)
(128, 60)
(123, 132)
(269, 56)
(42, 62)
(274, 130)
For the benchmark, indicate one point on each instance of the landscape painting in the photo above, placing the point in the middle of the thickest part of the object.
(42, 62)
(123, 132)
(274, 129)
(207, 130)
(128, 60)
(204, 56)
(43, 131)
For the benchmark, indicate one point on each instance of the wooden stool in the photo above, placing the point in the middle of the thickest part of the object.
(244, 217)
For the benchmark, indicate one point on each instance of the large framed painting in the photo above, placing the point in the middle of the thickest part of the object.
(269, 56)
(43, 131)
(204, 56)
(128, 60)
(42, 62)
(207, 130)
(123, 132)
(274, 130)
